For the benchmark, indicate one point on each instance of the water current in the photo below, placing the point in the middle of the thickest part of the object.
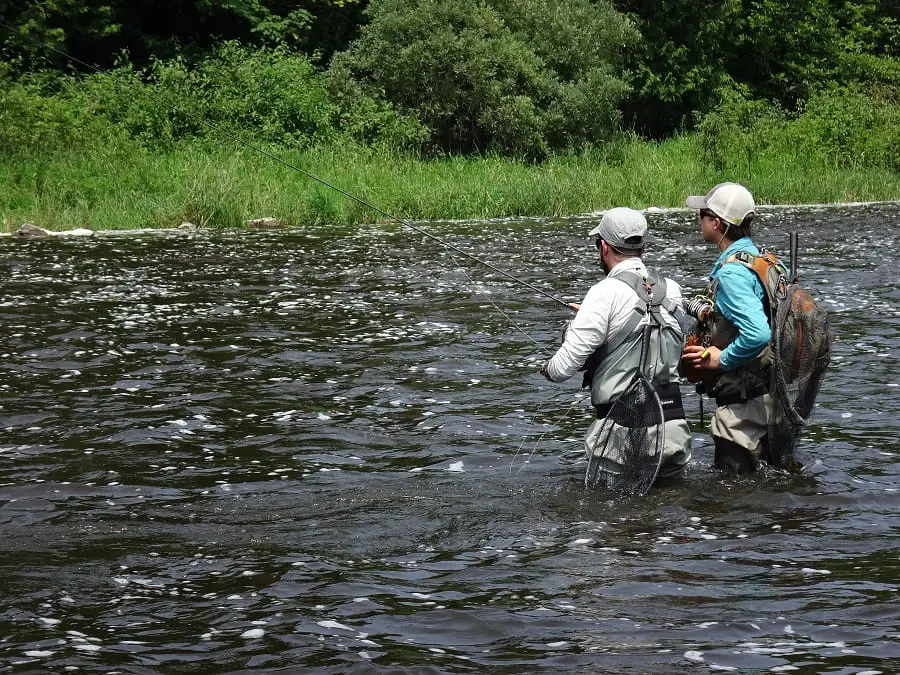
(330, 451)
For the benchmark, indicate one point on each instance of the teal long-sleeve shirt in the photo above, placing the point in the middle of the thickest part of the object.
(739, 298)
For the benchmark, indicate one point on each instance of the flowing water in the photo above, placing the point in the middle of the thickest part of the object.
(331, 451)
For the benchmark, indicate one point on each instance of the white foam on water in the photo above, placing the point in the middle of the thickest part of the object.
(253, 633)
(456, 467)
(86, 647)
(809, 570)
(555, 645)
(329, 623)
(47, 621)
(582, 542)
(39, 653)
(694, 656)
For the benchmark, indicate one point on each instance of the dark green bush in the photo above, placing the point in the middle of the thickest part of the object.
(522, 78)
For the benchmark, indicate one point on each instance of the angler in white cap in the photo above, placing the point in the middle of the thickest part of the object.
(607, 339)
(735, 363)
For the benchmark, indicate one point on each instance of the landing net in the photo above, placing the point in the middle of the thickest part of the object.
(627, 452)
(801, 344)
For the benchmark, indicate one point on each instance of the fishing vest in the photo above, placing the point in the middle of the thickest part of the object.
(751, 379)
(612, 367)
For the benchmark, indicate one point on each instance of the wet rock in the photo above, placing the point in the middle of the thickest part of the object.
(265, 223)
(31, 230)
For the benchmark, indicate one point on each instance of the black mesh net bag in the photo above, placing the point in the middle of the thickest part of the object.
(801, 344)
(626, 454)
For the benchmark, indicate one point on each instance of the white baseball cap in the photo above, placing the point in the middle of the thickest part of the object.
(622, 228)
(730, 201)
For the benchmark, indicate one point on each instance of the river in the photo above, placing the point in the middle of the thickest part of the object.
(330, 451)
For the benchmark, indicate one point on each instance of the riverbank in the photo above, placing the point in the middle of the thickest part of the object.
(122, 187)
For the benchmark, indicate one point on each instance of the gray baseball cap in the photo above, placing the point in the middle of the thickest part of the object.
(623, 228)
(730, 201)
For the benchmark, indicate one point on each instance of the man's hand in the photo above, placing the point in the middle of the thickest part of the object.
(544, 371)
(698, 356)
(574, 306)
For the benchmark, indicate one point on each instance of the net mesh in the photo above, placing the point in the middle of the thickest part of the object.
(801, 344)
(626, 453)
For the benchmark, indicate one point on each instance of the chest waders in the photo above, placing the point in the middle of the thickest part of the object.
(798, 353)
(627, 452)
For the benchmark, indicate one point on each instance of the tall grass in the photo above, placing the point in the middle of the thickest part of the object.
(122, 188)
(78, 156)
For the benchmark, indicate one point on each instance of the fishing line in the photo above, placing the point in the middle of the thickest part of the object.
(316, 178)
(423, 232)
(579, 397)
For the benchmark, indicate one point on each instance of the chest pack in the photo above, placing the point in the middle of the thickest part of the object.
(801, 335)
(651, 292)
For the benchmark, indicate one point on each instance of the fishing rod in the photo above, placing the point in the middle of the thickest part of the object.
(322, 181)
(794, 257)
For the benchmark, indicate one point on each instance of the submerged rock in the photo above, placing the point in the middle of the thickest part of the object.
(266, 223)
(31, 230)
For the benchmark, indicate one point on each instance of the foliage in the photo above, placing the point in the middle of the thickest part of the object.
(680, 62)
(780, 50)
(33, 123)
(272, 97)
(849, 129)
(844, 128)
(519, 77)
(93, 31)
(738, 128)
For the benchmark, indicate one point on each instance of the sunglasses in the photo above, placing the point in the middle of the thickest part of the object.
(706, 213)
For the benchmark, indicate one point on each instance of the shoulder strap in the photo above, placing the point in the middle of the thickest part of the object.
(648, 289)
(774, 285)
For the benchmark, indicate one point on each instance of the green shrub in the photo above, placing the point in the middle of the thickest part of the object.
(522, 77)
(850, 129)
(738, 129)
(273, 97)
(843, 127)
(33, 122)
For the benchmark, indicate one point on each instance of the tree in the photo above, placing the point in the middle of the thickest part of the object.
(521, 77)
(45, 32)
(780, 50)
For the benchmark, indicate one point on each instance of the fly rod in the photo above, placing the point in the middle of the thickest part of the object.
(794, 256)
(359, 200)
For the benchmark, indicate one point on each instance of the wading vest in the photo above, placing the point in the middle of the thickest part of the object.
(613, 366)
(753, 378)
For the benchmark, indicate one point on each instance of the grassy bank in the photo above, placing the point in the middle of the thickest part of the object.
(124, 187)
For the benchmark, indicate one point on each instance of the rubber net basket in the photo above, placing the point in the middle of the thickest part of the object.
(801, 344)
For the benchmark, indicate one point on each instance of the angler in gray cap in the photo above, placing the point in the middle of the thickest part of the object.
(605, 339)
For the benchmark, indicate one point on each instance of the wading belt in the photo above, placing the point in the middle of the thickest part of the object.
(669, 397)
(739, 398)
